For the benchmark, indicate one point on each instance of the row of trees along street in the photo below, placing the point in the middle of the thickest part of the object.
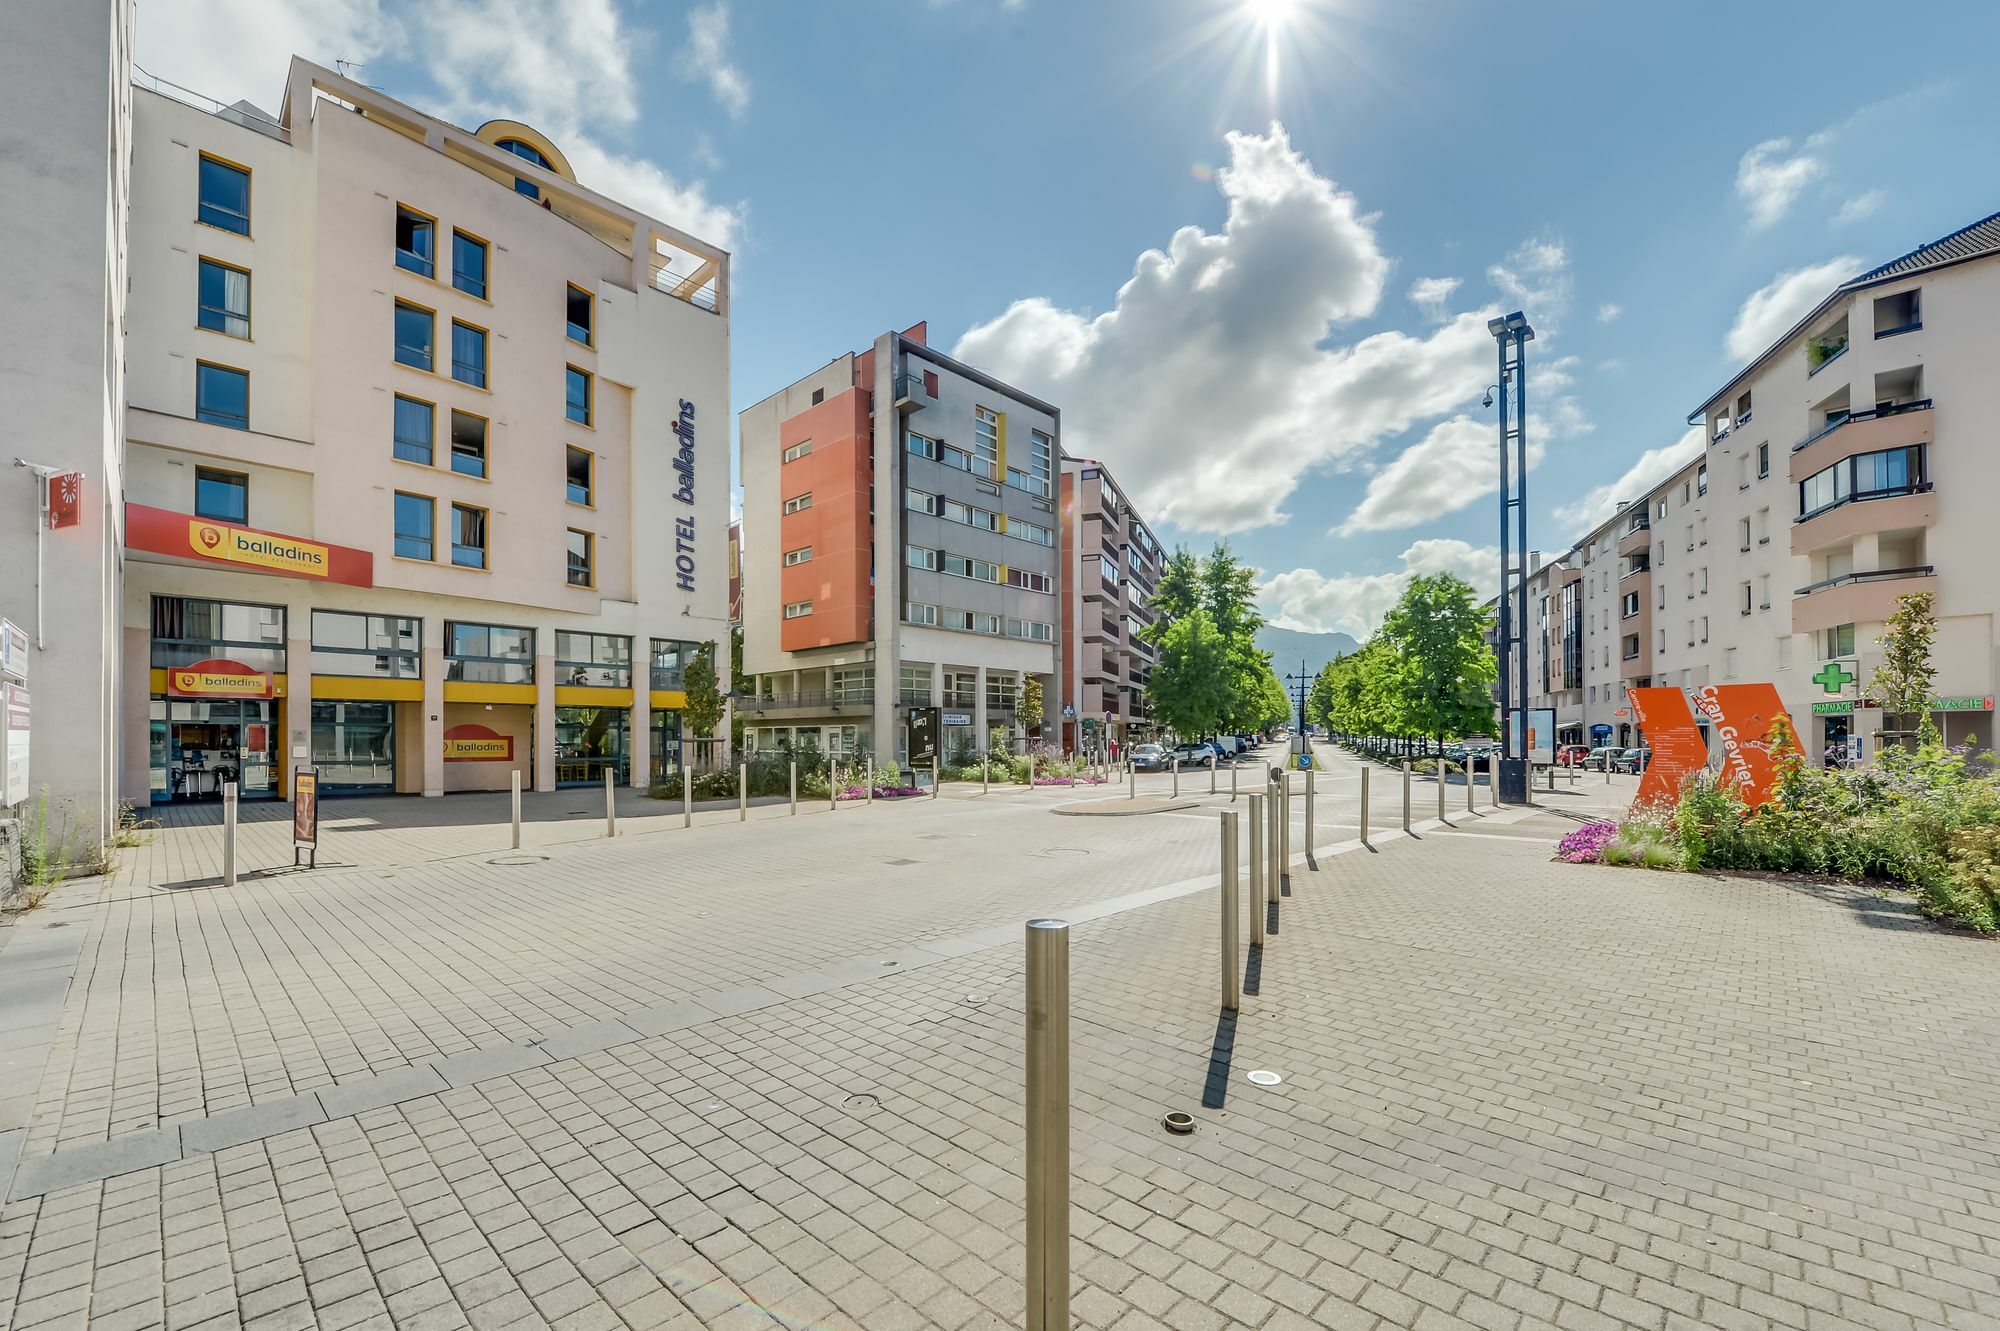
(1427, 674)
(1210, 678)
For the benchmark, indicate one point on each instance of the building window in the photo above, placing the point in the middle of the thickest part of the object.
(582, 568)
(1701, 479)
(581, 317)
(798, 450)
(856, 684)
(1836, 641)
(222, 495)
(468, 353)
(527, 152)
(802, 555)
(415, 430)
(1763, 461)
(416, 524)
(913, 683)
(978, 570)
(1031, 630)
(581, 471)
(921, 557)
(489, 653)
(915, 612)
(1028, 531)
(225, 195)
(222, 395)
(986, 442)
(577, 394)
(798, 503)
(594, 660)
(798, 609)
(416, 327)
(223, 304)
(379, 646)
(468, 264)
(1030, 581)
(921, 445)
(1039, 476)
(416, 241)
(468, 444)
(920, 501)
(186, 629)
(1891, 471)
(468, 536)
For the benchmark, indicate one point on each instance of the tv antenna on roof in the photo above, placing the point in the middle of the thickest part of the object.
(346, 68)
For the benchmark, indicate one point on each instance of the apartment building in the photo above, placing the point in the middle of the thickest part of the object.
(424, 449)
(1111, 563)
(1778, 553)
(901, 547)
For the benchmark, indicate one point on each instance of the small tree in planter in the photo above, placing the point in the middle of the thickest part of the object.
(704, 699)
(1902, 684)
(1031, 704)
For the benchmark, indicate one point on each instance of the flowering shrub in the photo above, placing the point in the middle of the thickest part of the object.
(1586, 844)
(882, 792)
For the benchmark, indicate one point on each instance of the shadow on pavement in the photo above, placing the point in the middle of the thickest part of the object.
(1215, 1092)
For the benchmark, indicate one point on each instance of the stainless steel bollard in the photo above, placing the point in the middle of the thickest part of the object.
(1232, 916)
(1257, 855)
(1047, 1274)
(1232, 783)
(1257, 912)
(1406, 794)
(1364, 803)
(1131, 781)
(610, 805)
(517, 808)
(1309, 812)
(687, 795)
(229, 834)
(1471, 781)
(1031, 772)
(1177, 778)
(795, 787)
(934, 776)
(1285, 829)
(1607, 768)
(1211, 776)
(986, 773)
(832, 785)
(743, 792)
(1441, 785)
(1272, 813)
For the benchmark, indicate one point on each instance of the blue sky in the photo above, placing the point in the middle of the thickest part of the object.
(1298, 362)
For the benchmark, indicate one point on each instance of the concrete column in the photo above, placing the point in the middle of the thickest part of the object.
(432, 712)
(979, 708)
(887, 448)
(296, 734)
(641, 764)
(545, 722)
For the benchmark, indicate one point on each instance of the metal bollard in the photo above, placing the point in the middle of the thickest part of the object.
(1285, 829)
(1441, 785)
(229, 834)
(832, 786)
(610, 805)
(1211, 776)
(1177, 778)
(517, 808)
(1607, 769)
(868, 782)
(1031, 773)
(1309, 813)
(687, 795)
(1232, 915)
(1471, 781)
(1232, 783)
(1406, 794)
(934, 776)
(795, 787)
(743, 792)
(1257, 857)
(1047, 1274)
(1131, 782)
(1274, 814)
(986, 773)
(1364, 804)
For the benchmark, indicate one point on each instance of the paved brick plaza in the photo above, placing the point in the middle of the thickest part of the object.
(669, 1081)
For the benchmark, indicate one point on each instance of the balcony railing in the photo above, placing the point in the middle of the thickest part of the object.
(1872, 575)
(1897, 409)
(911, 393)
(821, 700)
(1862, 497)
(668, 677)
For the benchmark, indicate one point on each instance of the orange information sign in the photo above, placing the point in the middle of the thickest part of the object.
(473, 743)
(1746, 718)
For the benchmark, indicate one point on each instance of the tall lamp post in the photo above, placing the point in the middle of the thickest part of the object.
(1300, 683)
(1512, 335)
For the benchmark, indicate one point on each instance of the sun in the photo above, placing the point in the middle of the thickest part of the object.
(1272, 13)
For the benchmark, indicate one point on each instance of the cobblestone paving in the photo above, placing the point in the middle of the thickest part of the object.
(1515, 1095)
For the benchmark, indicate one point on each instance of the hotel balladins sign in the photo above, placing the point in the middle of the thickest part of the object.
(247, 549)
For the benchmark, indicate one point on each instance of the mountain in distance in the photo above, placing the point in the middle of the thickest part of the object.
(1288, 646)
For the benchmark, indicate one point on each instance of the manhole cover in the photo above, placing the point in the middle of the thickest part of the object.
(861, 1104)
(1062, 852)
(1263, 1078)
(516, 860)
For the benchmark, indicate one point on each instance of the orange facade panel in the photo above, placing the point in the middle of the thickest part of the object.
(835, 471)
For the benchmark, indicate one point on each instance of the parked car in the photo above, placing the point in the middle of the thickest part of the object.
(1149, 758)
(1599, 756)
(1194, 755)
(1632, 760)
(1229, 746)
(1572, 755)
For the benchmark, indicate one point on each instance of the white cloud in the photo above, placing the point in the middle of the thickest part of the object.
(1607, 312)
(1653, 467)
(1207, 385)
(1770, 178)
(706, 57)
(564, 66)
(1429, 294)
(1309, 601)
(1773, 308)
(1455, 464)
(1535, 278)
(1860, 206)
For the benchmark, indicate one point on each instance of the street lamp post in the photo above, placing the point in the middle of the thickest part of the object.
(1512, 335)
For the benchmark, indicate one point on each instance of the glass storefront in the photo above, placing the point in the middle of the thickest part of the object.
(354, 747)
(666, 750)
(590, 740)
(198, 744)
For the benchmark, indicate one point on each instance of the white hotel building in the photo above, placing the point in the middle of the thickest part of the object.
(418, 469)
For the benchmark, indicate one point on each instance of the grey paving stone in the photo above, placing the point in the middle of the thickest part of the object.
(99, 1160)
(737, 1001)
(233, 1127)
(667, 1017)
(387, 1088)
(477, 1065)
(588, 1038)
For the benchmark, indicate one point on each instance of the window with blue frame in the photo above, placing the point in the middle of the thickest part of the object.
(222, 495)
(223, 299)
(468, 264)
(1877, 475)
(468, 353)
(224, 192)
(416, 242)
(577, 395)
(416, 327)
(416, 526)
(415, 430)
(222, 395)
(528, 152)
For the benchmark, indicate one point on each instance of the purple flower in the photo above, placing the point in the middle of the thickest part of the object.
(1586, 844)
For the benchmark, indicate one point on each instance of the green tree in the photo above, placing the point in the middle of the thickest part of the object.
(1030, 710)
(1905, 681)
(1441, 668)
(1177, 594)
(736, 681)
(703, 712)
(1190, 686)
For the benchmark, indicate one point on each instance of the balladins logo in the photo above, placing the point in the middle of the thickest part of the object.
(684, 565)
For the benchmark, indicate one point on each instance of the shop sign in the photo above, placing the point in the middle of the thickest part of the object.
(65, 500)
(218, 678)
(1834, 677)
(1747, 718)
(1984, 704)
(958, 718)
(165, 532)
(473, 743)
(1832, 708)
(15, 714)
(923, 734)
(684, 563)
(13, 651)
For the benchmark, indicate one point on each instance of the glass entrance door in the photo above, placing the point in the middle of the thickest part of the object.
(198, 745)
(354, 747)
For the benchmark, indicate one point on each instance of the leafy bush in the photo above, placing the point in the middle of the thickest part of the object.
(1429, 766)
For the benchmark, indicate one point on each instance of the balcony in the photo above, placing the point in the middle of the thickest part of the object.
(1857, 598)
(1840, 524)
(911, 394)
(1862, 432)
(816, 703)
(1635, 539)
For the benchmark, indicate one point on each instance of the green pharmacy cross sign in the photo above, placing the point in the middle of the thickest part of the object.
(1833, 677)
